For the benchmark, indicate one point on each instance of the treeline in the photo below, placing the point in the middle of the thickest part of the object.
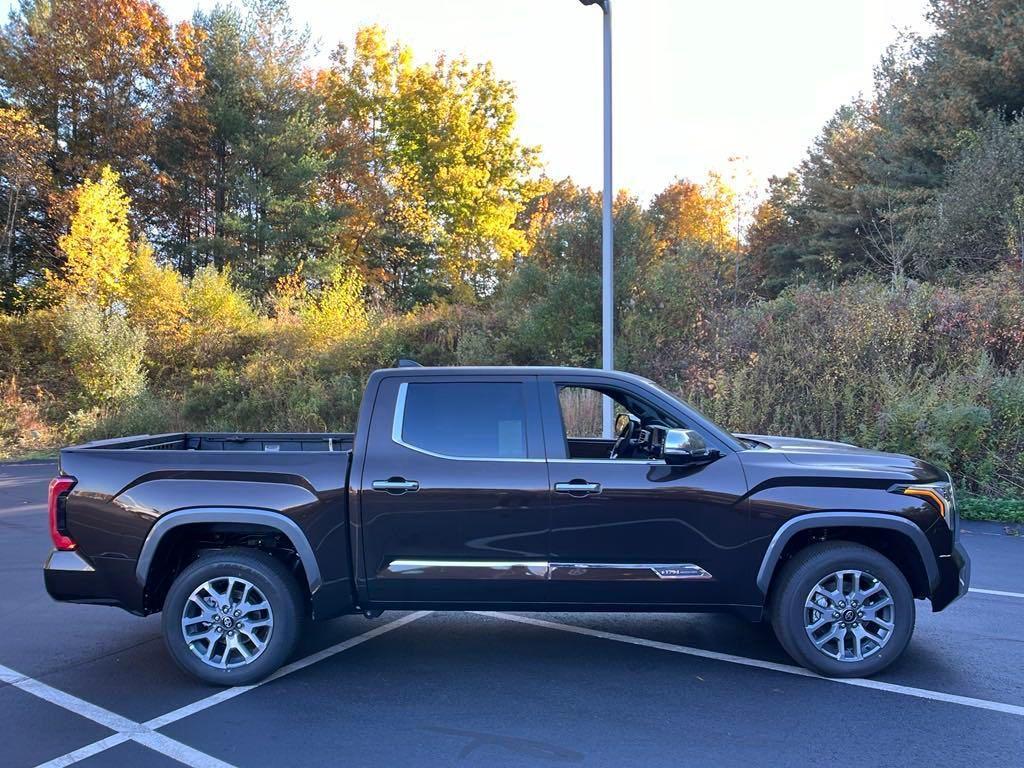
(925, 180)
(236, 154)
(205, 232)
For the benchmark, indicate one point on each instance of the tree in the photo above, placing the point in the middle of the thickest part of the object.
(266, 146)
(977, 222)
(447, 177)
(26, 189)
(97, 247)
(773, 237)
(90, 72)
(183, 218)
(696, 214)
(894, 153)
(700, 218)
(155, 302)
(549, 309)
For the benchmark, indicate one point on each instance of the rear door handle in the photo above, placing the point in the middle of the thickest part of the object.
(580, 487)
(396, 485)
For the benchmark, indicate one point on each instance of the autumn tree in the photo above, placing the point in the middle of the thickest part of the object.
(97, 248)
(698, 214)
(90, 72)
(183, 219)
(427, 165)
(26, 189)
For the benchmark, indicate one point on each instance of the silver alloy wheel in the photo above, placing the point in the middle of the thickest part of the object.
(849, 615)
(227, 622)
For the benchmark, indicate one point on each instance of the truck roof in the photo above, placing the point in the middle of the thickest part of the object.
(518, 370)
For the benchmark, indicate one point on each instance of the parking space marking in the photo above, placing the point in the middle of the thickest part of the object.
(97, 714)
(230, 693)
(146, 733)
(126, 728)
(999, 592)
(87, 751)
(789, 669)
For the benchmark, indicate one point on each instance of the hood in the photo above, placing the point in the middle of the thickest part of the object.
(825, 454)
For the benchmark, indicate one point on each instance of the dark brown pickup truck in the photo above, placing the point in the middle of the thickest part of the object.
(492, 488)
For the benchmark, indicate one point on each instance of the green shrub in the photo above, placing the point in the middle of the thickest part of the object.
(981, 508)
(103, 353)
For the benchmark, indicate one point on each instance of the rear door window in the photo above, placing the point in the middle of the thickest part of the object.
(477, 420)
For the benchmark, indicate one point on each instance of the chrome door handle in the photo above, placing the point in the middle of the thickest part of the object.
(578, 487)
(397, 486)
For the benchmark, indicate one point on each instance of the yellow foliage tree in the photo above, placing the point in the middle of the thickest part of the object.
(214, 306)
(697, 214)
(219, 318)
(155, 298)
(97, 247)
(337, 312)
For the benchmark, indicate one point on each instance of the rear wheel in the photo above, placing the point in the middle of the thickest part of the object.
(233, 617)
(842, 610)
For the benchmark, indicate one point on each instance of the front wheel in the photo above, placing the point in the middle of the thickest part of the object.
(233, 617)
(842, 610)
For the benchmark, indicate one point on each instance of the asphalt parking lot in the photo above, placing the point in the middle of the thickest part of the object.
(94, 687)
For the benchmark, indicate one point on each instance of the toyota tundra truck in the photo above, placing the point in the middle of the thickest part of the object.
(497, 489)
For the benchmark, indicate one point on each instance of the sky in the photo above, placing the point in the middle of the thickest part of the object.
(695, 83)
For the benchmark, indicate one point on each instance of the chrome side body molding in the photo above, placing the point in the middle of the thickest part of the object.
(539, 569)
(465, 569)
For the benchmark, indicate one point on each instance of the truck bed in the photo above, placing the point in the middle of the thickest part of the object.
(274, 442)
(297, 482)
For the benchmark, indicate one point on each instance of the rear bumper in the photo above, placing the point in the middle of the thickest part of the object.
(71, 577)
(954, 577)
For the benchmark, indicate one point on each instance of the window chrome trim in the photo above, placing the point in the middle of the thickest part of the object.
(399, 421)
(541, 569)
(651, 462)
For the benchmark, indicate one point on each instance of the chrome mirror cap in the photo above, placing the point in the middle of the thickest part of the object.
(682, 445)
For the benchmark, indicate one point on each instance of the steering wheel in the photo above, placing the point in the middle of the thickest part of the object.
(626, 427)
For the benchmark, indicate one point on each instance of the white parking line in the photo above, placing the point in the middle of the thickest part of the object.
(146, 733)
(230, 693)
(996, 592)
(789, 669)
(126, 729)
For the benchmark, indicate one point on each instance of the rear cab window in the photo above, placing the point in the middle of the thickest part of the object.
(473, 420)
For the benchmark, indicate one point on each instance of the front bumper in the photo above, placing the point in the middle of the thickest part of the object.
(954, 577)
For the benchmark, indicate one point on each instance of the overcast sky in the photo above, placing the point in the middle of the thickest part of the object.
(695, 82)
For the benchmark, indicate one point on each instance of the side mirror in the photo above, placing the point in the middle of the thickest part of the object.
(683, 446)
(620, 423)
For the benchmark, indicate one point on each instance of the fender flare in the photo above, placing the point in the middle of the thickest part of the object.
(849, 520)
(263, 517)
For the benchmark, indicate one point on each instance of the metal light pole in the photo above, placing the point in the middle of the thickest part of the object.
(607, 227)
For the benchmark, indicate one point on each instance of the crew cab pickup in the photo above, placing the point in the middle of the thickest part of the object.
(493, 488)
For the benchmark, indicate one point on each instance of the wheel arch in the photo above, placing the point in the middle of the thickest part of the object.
(262, 518)
(896, 537)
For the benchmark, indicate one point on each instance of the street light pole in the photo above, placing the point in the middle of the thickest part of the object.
(607, 226)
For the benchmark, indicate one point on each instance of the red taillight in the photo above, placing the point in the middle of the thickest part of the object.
(59, 489)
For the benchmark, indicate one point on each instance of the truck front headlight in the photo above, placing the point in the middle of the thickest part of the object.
(939, 494)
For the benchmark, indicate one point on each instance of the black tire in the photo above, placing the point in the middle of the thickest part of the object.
(802, 573)
(277, 585)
